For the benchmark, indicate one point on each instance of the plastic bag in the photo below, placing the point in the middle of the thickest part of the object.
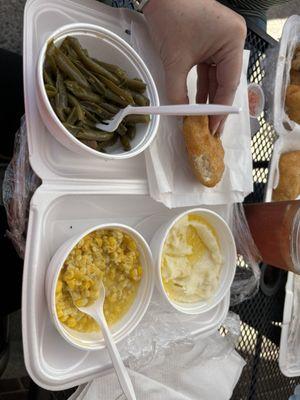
(247, 277)
(293, 348)
(269, 64)
(20, 182)
(161, 331)
(164, 332)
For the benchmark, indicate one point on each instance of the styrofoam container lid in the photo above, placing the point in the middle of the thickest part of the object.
(106, 46)
(228, 251)
(94, 340)
(290, 37)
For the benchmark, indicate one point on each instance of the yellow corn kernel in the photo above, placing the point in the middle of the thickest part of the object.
(72, 284)
(68, 275)
(59, 286)
(71, 322)
(82, 302)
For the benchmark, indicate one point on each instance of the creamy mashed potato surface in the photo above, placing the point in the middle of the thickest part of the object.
(191, 260)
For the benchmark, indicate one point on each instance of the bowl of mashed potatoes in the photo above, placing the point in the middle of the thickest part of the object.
(195, 257)
(118, 256)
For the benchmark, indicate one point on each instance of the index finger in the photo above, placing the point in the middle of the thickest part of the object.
(228, 77)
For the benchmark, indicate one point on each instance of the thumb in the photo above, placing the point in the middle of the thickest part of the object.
(175, 81)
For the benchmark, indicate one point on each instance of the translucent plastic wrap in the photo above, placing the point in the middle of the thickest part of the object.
(19, 184)
(269, 64)
(293, 348)
(246, 281)
(162, 330)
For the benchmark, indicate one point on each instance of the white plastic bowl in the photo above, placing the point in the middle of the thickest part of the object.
(228, 251)
(94, 340)
(108, 47)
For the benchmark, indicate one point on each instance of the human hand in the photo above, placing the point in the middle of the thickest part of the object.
(203, 33)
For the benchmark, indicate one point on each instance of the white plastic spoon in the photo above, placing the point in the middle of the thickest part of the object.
(95, 310)
(179, 109)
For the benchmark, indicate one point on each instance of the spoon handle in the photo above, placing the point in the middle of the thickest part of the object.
(122, 373)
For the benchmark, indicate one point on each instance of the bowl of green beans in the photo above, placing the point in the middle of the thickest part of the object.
(85, 75)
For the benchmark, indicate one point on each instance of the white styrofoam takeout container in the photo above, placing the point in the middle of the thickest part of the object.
(289, 140)
(120, 330)
(290, 37)
(227, 249)
(106, 46)
(77, 193)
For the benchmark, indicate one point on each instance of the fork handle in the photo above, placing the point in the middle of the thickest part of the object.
(122, 373)
(184, 109)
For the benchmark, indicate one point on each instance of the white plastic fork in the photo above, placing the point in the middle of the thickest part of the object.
(95, 310)
(178, 109)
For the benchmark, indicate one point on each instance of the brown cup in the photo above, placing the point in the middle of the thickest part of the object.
(275, 228)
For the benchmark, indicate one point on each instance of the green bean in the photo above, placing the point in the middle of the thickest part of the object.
(136, 84)
(114, 69)
(59, 112)
(67, 49)
(117, 90)
(108, 143)
(121, 130)
(140, 99)
(96, 109)
(64, 47)
(93, 134)
(72, 117)
(90, 143)
(75, 103)
(88, 62)
(137, 119)
(109, 95)
(91, 119)
(69, 69)
(50, 60)
(61, 99)
(82, 93)
(62, 92)
(96, 85)
(47, 78)
(50, 90)
(125, 143)
(110, 108)
(131, 131)
(71, 128)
